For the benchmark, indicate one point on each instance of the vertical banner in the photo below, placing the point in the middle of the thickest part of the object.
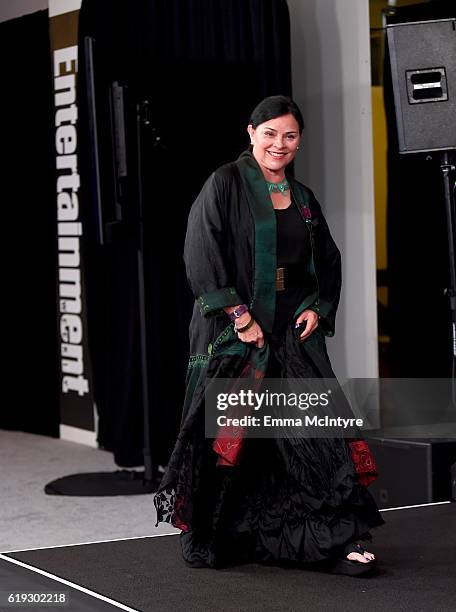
(77, 416)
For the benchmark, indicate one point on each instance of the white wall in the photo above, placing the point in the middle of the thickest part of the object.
(9, 9)
(331, 84)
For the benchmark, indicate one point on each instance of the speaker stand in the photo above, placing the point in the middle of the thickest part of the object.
(447, 167)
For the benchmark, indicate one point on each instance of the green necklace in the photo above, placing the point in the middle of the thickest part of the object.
(278, 187)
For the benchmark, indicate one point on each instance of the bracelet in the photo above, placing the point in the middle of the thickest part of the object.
(241, 330)
(238, 312)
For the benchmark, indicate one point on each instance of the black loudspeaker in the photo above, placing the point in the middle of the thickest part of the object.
(412, 472)
(423, 70)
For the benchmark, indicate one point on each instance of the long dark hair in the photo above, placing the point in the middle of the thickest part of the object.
(273, 107)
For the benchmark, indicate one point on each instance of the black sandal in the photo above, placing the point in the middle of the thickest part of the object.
(349, 567)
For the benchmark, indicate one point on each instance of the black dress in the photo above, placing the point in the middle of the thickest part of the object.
(288, 500)
(293, 249)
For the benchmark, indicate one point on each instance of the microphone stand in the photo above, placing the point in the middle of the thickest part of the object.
(142, 119)
(120, 482)
(447, 167)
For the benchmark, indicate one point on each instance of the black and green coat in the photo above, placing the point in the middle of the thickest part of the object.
(230, 254)
(230, 257)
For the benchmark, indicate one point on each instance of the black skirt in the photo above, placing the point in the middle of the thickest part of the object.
(288, 500)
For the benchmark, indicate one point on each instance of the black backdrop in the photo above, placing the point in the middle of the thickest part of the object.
(203, 64)
(29, 229)
(418, 264)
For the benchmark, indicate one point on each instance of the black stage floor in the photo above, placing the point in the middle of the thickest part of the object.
(17, 581)
(416, 551)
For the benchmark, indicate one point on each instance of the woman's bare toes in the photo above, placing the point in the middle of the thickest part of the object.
(353, 556)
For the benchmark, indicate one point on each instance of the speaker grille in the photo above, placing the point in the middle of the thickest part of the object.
(423, 68)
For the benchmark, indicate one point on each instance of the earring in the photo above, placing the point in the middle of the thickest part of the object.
(297, 147)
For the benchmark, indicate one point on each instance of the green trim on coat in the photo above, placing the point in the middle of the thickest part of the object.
(197, 360)
(214, 301)
(264, 282)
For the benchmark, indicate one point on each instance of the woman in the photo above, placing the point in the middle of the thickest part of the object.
(266, 276)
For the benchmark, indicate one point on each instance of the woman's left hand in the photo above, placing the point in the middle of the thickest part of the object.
(311, 317)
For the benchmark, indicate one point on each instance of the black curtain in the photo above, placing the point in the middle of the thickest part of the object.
(29, 330)
(418, 260)
(203, 65)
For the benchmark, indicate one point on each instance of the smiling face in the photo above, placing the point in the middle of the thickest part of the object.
(274, 144)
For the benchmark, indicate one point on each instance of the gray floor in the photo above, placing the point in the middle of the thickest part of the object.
(31, 519)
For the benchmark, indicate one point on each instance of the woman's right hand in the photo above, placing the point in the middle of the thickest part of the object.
(253, 335)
